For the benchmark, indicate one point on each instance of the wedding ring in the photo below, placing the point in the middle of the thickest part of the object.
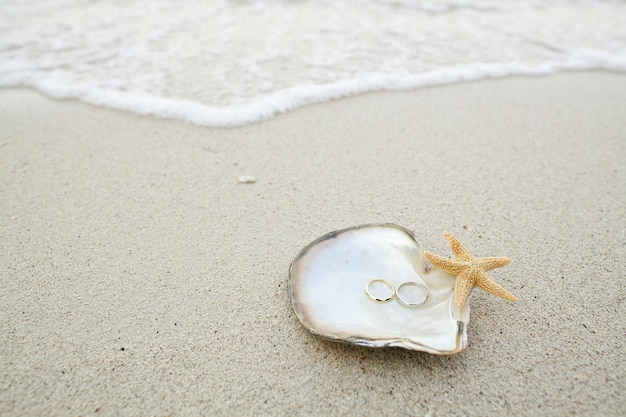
(414, 294)
(380, 299)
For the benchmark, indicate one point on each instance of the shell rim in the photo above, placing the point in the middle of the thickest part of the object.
(461, 335)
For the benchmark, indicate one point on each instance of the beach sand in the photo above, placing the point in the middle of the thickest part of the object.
(139, 277)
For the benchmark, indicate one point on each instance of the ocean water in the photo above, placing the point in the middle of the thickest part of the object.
(233, 62)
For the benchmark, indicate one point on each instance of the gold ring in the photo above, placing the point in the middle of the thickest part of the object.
(415, 303)
(379, 299)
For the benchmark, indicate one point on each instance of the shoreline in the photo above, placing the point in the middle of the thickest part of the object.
(284, 101)
(250, 64)
(140, 277)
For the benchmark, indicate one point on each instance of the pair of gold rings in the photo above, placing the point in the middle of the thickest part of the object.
(399, 293)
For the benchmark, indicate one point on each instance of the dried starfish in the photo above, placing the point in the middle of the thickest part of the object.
(470, 271)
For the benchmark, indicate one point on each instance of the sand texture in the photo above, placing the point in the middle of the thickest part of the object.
(140, 277)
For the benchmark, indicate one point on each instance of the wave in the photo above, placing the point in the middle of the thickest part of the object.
(236, 63)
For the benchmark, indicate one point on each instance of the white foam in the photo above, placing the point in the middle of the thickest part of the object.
(229, 77)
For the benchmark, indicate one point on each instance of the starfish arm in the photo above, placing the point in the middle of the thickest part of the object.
(446, 264)
(459, 251)
(464, 285)
(487, 264)
(485, 283)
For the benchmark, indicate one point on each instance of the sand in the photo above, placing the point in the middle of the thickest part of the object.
(139, 277)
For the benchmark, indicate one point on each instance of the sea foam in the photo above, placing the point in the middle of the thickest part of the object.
(234, 63)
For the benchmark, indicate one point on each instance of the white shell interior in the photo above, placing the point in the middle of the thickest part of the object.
(327, 289)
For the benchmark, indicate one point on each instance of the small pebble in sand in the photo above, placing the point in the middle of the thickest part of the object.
(246, 179)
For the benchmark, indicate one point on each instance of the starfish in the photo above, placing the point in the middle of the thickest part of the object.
(470, 271)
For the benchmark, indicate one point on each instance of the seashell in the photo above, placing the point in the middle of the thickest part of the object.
(327, 287)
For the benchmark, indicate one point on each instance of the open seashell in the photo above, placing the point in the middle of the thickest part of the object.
(327, 287)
